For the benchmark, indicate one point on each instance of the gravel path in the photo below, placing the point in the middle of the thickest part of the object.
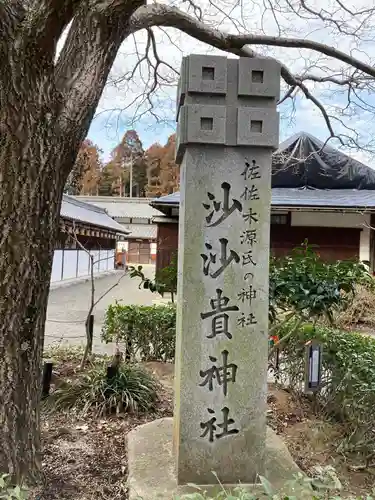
(68, 308)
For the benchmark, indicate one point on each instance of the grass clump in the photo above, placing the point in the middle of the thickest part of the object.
(9, 492)
(63, 354)
(325, 486)
(360, 312)
(131, 390)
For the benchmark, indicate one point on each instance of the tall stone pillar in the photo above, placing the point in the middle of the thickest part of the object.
(228, 127)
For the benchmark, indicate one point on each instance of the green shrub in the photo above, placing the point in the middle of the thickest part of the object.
(132, 390)
(165, 279)
(8, 492)
(348, 383)
(304, 283)
(148, 331)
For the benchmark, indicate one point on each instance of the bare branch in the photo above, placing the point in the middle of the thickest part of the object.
(154, 72)
(109, 289)
(167, 16)
(196, 9)
(355, 13)
(162, 15)
(158, 60)
(307, 12)
(76, 240)
(93, 302)
(288, 94)
(239, 41)
(358, 82)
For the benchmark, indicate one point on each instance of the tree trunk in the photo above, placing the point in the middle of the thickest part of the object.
(45, 113)
(30, 200)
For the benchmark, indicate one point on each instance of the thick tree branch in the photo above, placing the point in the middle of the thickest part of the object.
(354, 13)
(162, 15)
(86, 60)
(11, 14)
(353, 80)
(242, 40)
(46, 20)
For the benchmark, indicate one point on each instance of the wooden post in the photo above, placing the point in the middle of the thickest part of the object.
(47, 376)
(111, 373)
(128, 347)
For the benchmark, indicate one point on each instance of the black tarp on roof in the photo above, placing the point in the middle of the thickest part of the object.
(300, 162)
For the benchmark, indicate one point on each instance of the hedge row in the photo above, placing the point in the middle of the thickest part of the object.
(148, 332)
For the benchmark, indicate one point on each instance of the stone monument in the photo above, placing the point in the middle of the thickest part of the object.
(228, 127)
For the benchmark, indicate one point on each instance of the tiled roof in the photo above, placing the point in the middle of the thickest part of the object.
(74, 209)
(123, 207)
(294, 197)
(346, 198)
(170, 199)
(144, 231)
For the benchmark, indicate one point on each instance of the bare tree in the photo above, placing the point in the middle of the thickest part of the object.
(47, 104)
(93, 300)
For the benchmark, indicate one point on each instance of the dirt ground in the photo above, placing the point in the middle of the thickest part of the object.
(85, 459)
(314, 442)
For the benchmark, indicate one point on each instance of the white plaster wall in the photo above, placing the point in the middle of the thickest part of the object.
(70, 264)
(103, 264)
(83, 263)
(364, 244)
(96, 255)
(70, 270)
(153, 248)
(56, 266)
(111, 259)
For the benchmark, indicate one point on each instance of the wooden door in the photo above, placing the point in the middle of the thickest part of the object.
(144, 252)
(139, 252)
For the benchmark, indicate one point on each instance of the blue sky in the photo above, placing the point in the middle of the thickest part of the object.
(108, 128)
(125, 93)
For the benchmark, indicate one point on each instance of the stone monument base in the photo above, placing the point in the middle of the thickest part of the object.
(151, 463)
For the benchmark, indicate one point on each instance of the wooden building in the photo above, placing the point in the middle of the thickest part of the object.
(84, 230)
(325, 197)
(135, 215)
